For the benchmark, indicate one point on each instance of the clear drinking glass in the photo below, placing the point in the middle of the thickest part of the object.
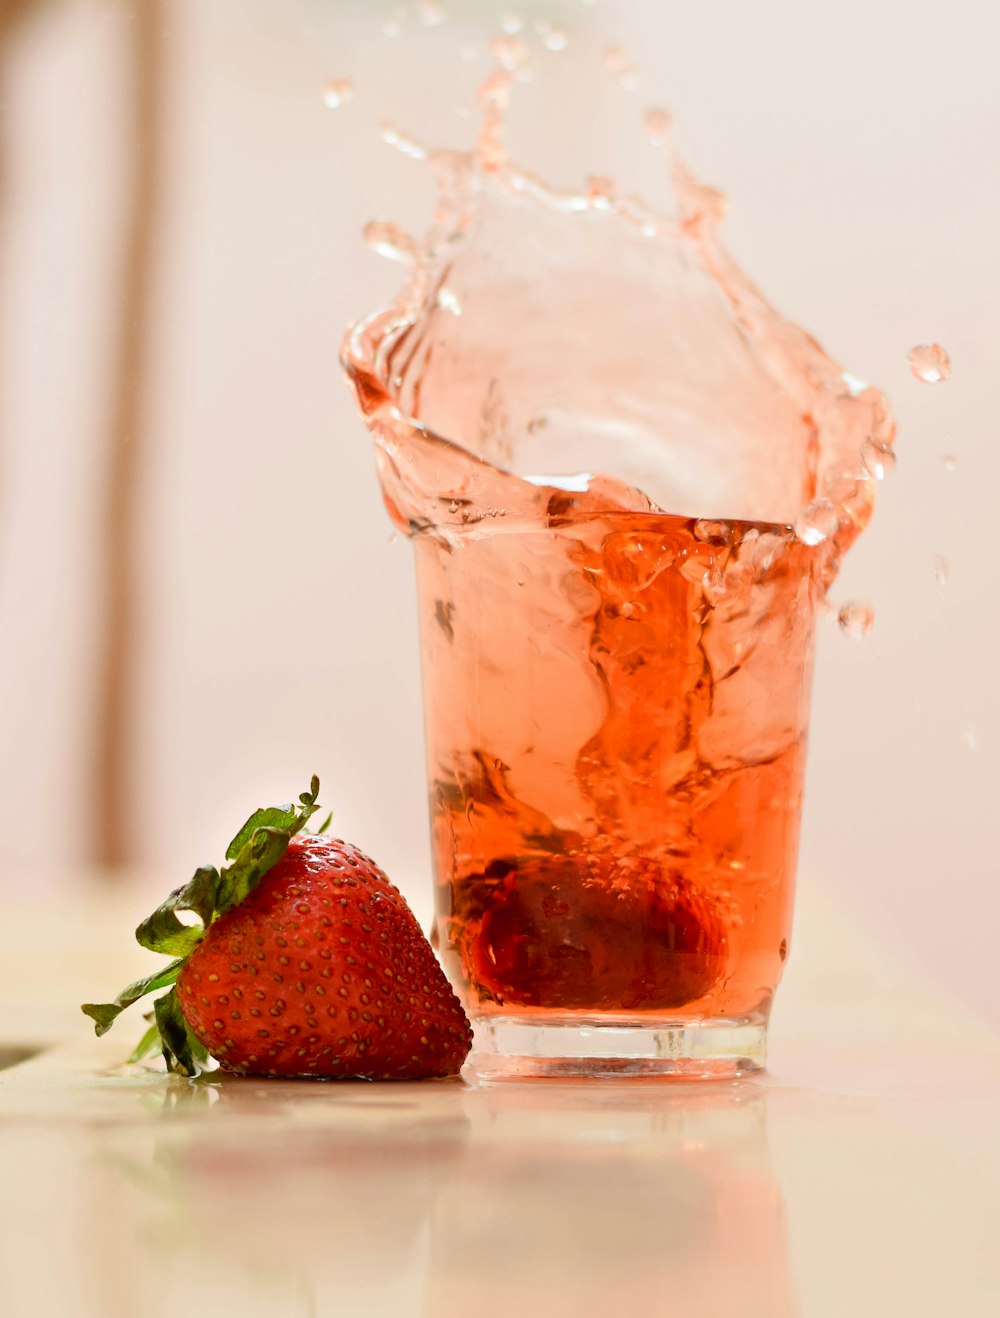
(616, 696)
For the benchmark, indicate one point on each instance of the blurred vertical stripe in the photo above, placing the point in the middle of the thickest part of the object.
(128, 429)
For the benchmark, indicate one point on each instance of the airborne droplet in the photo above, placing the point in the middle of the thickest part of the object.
(553, 38)
(950, 461)
(337, 92)
(430, 12)
(856, 619)
(618, 64)
(817, 522)
(389, 240)
(942, 570)
(656, 124)
(878, 457)
(600, 191)
(929, 363)
(511, 52)
(403, 142)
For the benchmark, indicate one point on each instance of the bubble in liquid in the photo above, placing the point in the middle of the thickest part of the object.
(389, 240)
(430, 12)
(656, 124)
(950, 461)
(337, 92)
(511, 23)
(856, 619)
(553, 38)
(620, 67)
(942, 570)
(878, 457)
(817, 522)
(929, 363)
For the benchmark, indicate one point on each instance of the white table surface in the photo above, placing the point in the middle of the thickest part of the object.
(860, 1177)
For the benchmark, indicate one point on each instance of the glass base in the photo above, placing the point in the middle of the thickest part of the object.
(518, 1047)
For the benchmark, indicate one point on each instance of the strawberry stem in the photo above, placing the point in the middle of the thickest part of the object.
(256, 849)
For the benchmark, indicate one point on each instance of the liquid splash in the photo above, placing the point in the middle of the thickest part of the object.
(566, 299)
(627, 475)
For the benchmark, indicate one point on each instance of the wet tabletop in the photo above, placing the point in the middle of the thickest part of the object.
(859, 1177)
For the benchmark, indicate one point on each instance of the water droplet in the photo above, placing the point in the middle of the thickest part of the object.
(656, 124)
(856, 619)
(929, 363)
(600, 191)
(511, 52)
(620, 67)
(878, 458)
(511, 23)
(853, 383)
(403, 142)
(950, 461)
(430, 12)
(942, 570)
(817, 522)
(553, 38)
(390, 241)
(971, 737)
(448, 300)
(393, 537)
(337, 92)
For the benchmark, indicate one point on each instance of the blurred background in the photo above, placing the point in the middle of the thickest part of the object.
(201, 600)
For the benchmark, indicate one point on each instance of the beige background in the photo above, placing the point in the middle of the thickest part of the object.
(857, 145)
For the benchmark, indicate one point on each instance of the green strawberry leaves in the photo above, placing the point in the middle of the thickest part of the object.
(256, 849)
(105, 1014)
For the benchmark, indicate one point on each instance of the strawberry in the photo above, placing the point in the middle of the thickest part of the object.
(307, 961)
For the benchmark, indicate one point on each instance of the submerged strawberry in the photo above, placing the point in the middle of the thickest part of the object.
(594, 934)
(307, 962)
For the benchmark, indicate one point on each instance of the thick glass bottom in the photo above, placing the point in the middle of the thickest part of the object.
(519, 1047)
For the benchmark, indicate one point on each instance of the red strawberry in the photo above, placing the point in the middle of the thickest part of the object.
(308, 962)
(589, 934)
